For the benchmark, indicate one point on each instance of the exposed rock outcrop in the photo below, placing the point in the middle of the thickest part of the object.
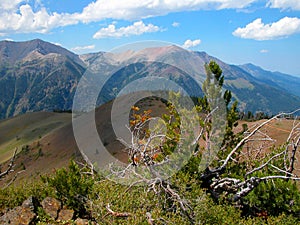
(21, 215)
(27, 213)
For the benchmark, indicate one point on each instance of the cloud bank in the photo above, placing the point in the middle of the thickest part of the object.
(264, 51)
(257, 30)
(189, 43)
(82, 48)
(284, 4)
(175, 24)
(136, 28)
(17, 16)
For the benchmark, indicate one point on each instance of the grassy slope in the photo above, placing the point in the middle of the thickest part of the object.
(53, 134)
(26, 129)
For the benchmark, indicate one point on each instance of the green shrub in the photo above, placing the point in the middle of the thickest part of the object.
(276, 197)
(71, 186)
(16, 194)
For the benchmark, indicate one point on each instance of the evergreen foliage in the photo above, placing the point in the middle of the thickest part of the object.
(71, 186)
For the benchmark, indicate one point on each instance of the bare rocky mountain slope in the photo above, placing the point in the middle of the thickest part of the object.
(40, 76)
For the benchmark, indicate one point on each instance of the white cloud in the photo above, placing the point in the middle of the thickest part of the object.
(56, 43)
(264, 51)
(17, 16)
(257, 30)
(25, 20)
(82, 48)
(175, 24)
(9, 4)
(189, 43)
(136, 28)
(284, 4)
(136, 9)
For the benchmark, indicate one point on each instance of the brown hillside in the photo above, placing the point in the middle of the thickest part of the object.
(53, 146)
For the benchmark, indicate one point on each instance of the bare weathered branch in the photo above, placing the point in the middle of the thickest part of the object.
(149, 218)
(279, 177)
(117, 214)
(10, 165)
(246, 187)
(293, 155)
(242, 142)
(264, 165)
(218, 184)
(281, 170)
(13, 179)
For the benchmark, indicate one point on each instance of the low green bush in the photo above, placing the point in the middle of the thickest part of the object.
(82, 193)
(72, 186)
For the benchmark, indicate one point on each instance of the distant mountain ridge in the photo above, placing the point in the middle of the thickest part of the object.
(283, 81)
(12, 52)
(37, 76)
(40, 76)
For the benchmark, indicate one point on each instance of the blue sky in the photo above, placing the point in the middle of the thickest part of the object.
(263, 32)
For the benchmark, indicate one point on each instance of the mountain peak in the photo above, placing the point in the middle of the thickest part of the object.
(155, 52)
(12, 52)
(252, 66)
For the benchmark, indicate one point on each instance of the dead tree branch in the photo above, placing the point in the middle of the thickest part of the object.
(13, 179)
(245, 139)
(295, 146)
(117, 214)
(217, 182)
(10, 165)
(143, 152)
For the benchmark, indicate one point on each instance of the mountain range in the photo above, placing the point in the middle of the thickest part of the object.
(39, 76)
